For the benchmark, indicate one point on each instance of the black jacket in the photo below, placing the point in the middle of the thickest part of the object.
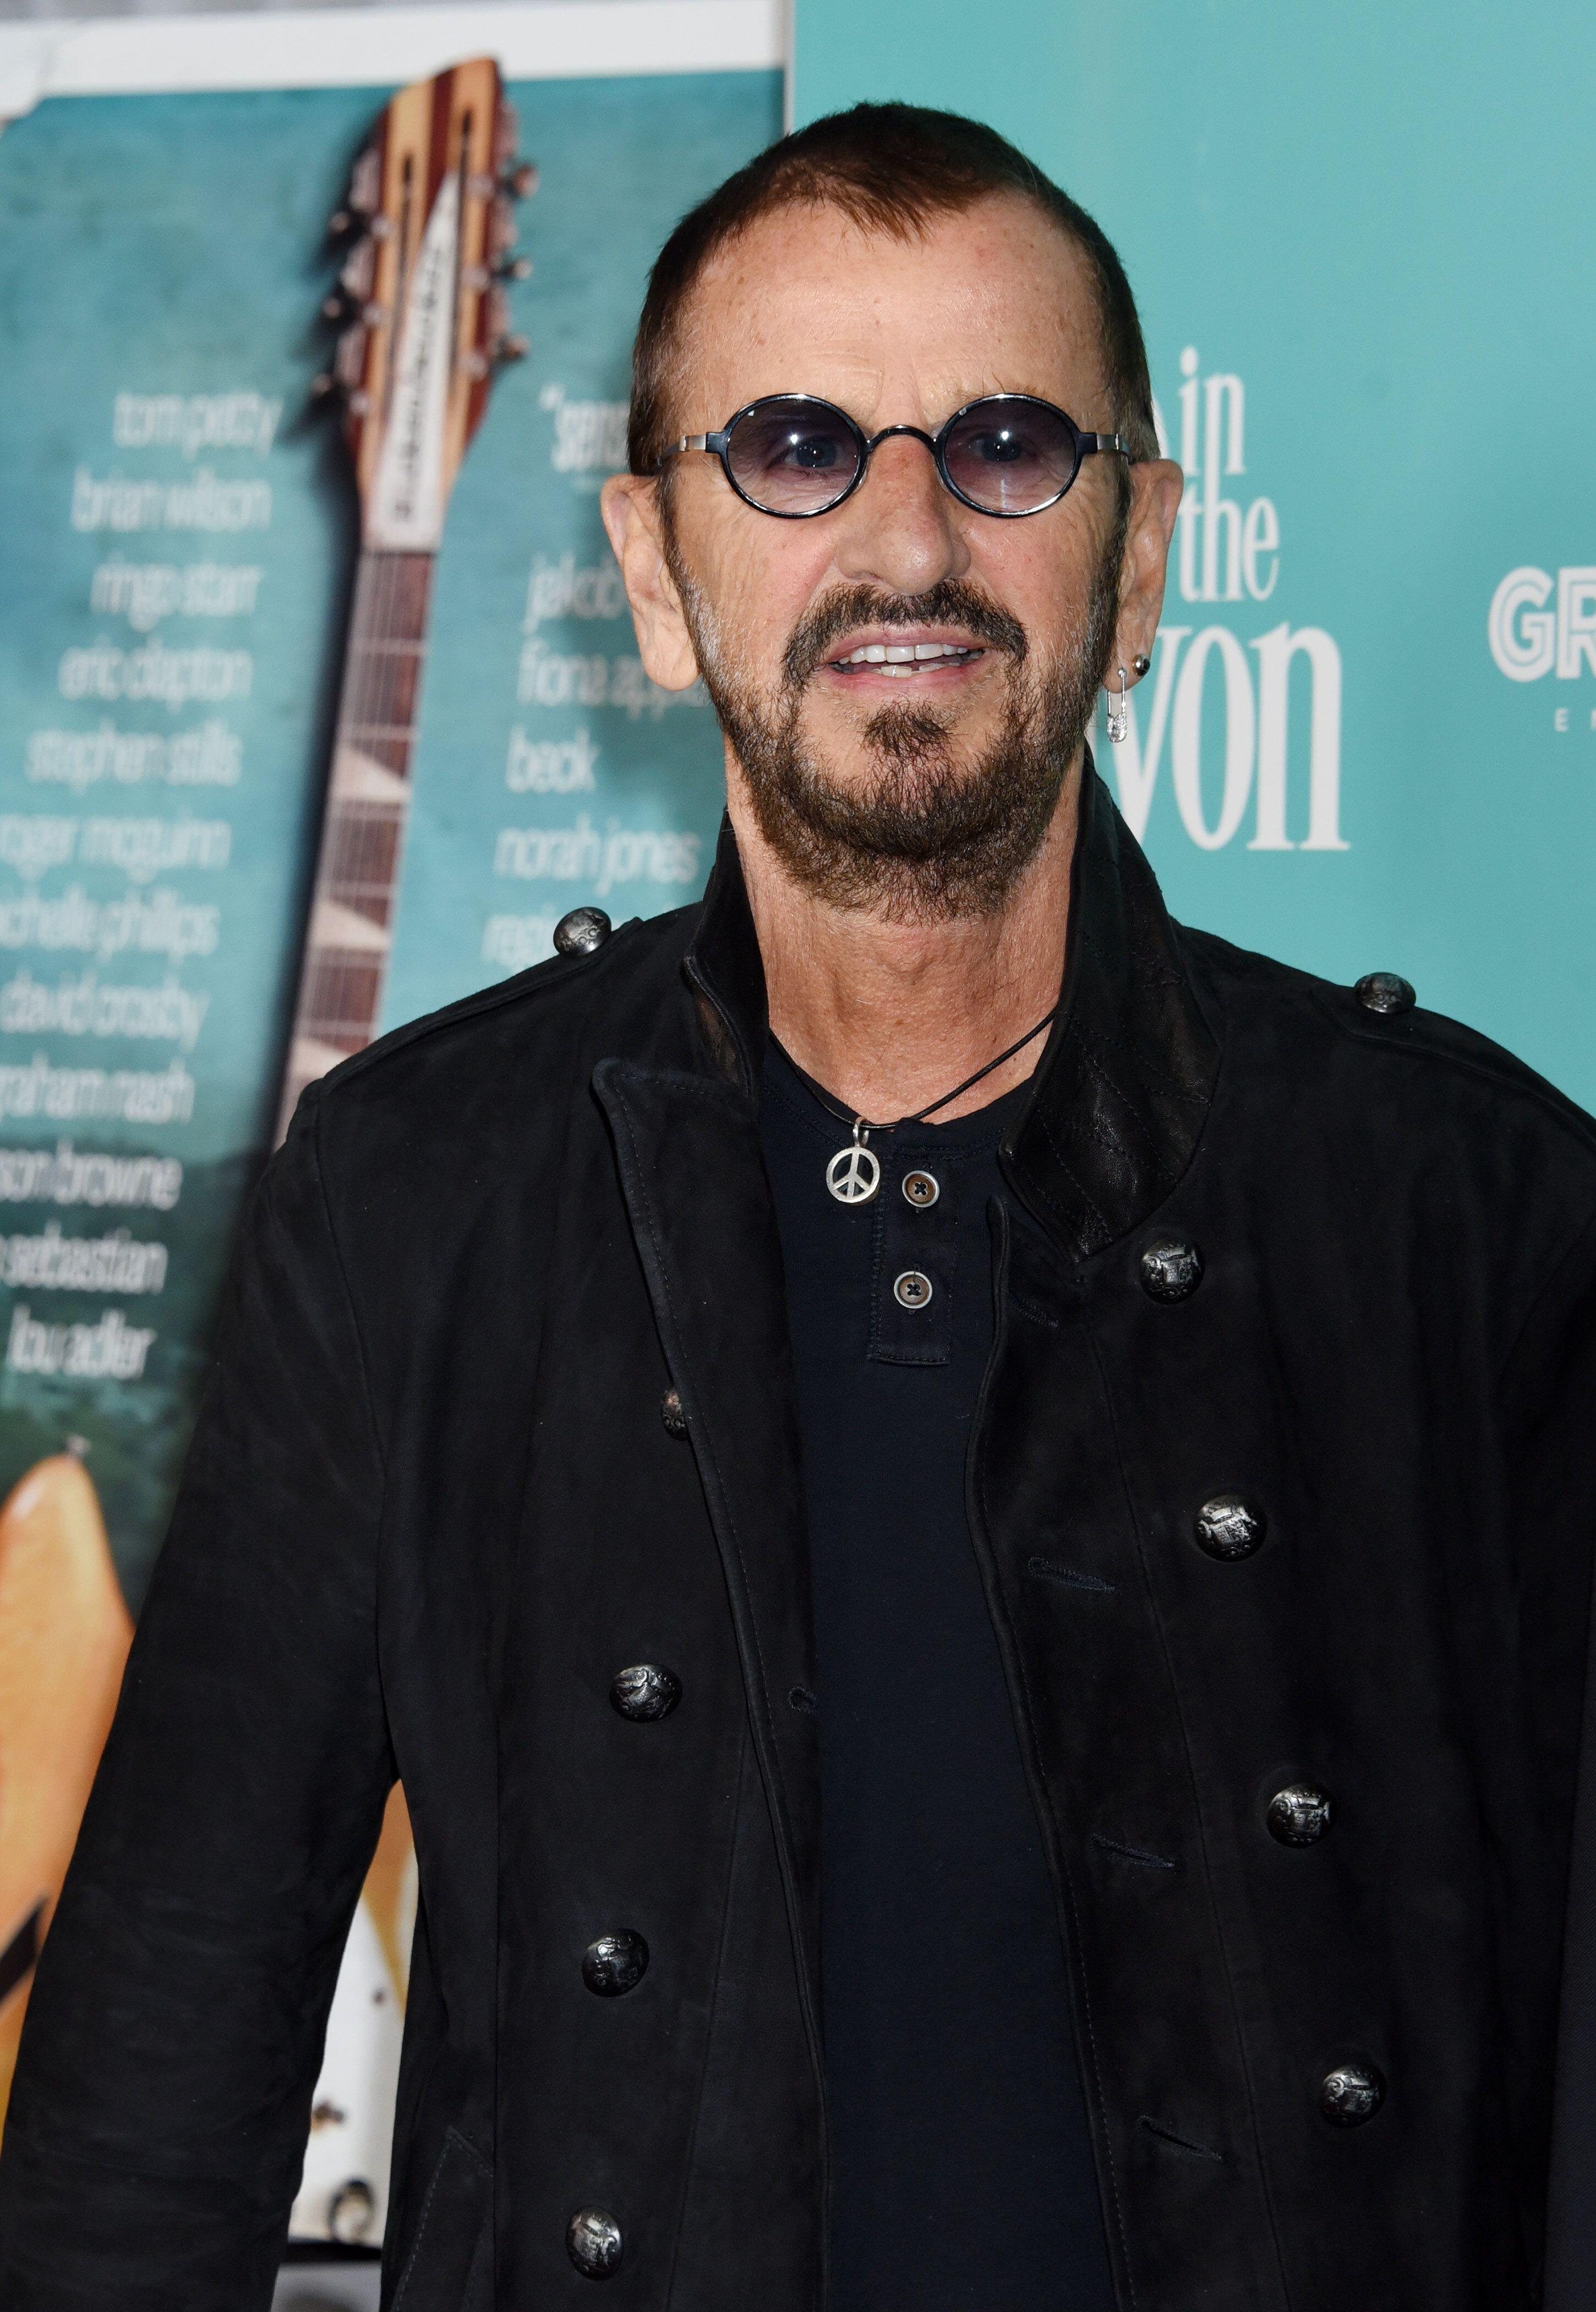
(432, 1509)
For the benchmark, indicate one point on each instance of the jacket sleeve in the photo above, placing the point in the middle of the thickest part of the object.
(161, 2106)
(1552, 1394)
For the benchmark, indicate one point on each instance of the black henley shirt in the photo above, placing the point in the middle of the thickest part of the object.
(962, 2175)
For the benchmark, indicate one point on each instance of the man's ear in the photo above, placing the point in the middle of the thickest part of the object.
(632, 516)
(1156, 487)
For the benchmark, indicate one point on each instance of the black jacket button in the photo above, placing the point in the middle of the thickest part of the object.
(615, 1963)
(593, 2243)
(1384, 992)
(1171, 1268)
(645, 1693)
(1350, 2094)
(582, 932)
(671, 1413)
(1300, 1815)
(1229, 1527)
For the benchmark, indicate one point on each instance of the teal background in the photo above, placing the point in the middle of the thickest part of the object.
(1377, 222)
(174, 244)
(1380, 221)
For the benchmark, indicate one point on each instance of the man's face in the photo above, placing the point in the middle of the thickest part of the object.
(926, 783)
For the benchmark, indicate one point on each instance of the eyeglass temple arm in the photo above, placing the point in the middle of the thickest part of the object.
(1104, 441)
(712, 442)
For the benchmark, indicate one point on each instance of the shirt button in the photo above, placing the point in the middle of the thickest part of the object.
(912, 1290)
(921, 1189)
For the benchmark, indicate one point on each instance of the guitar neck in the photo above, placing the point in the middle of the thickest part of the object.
(368, 799)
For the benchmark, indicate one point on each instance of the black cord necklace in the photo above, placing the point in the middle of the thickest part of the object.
(853, 1175)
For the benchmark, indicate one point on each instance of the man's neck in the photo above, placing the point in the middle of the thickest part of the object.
(889, 1016)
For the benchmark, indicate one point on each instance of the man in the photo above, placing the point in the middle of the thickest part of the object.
(966, 1515)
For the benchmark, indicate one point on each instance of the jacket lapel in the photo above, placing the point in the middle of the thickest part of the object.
(694, 1185)
(1122, 1092)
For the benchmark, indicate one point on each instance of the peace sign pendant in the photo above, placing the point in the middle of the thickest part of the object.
(854, 1172)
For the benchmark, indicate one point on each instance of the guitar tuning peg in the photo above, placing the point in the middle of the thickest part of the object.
(515, 268)
(349, 363)
(520, 181)
(480, 187)
(498, 313)
(512, 349)
(359, 404)
(320, 387)
(358, 267)
(333, 308)
(364, 194)
(503, 232)
(475, 363)
(365, 183)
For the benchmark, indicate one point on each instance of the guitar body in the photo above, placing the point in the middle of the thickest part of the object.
(63, 1639)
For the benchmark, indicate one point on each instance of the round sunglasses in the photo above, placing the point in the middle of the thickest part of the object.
(793, 455)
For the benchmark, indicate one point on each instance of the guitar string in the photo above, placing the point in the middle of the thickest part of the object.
(389, 607)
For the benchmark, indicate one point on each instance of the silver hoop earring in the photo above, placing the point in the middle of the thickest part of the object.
(1119, 722)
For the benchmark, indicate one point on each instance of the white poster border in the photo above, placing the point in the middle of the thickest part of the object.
(384, 47)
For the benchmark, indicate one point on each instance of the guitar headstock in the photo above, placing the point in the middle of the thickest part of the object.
(422, 296)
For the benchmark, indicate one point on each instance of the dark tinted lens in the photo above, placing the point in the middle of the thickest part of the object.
(793, 456)
(1011, 456)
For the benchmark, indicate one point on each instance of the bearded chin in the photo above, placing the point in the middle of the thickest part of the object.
(930, 834)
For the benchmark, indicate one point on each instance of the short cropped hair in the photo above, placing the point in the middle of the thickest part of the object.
(890, 169)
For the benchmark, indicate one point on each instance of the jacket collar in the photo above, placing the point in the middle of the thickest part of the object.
(1122, 1091)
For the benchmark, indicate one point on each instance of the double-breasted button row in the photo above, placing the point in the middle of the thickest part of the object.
(616, 1963)
(1228, 1526)
(1231, 1528)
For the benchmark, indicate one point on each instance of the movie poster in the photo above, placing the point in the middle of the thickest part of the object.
(181, 530)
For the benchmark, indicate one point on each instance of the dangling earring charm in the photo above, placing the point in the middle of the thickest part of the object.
(1119, 722)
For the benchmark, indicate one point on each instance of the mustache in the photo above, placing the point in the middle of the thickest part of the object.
(950, 602)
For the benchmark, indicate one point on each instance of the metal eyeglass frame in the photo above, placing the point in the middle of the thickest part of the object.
(1086, 445)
